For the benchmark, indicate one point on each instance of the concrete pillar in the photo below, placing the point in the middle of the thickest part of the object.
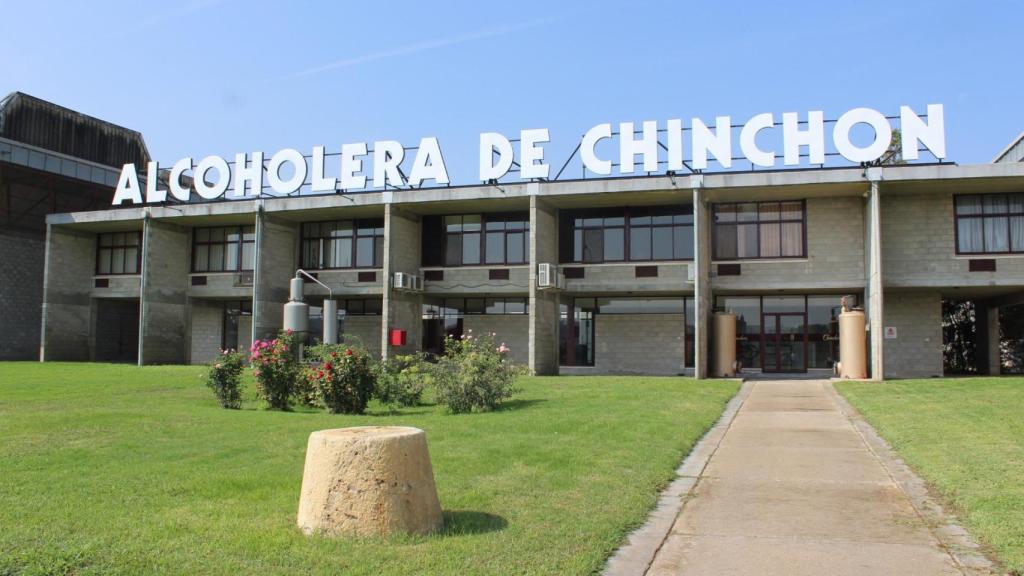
(402, 309)
(69, 265)
(164, 286)
(276, 262)
(543, 324)
(702, 297)
(873, 291)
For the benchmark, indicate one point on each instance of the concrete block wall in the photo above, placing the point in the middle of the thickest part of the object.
(21, 295)
(346, 283)
(917, 350)
(220, 285)
(403, 310)
(207, 330)
(164, 293)
(835, 253)
(512, 329)
(366, 330)
(276, 262)
(542, 332)
(129, 286)
(69, 266)
(919, 246)
(639, 343)
(672, 276)
(477, 280)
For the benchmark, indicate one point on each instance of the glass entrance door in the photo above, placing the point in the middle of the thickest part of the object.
(784, 342)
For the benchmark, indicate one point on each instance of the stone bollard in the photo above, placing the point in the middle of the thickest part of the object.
(369, 481)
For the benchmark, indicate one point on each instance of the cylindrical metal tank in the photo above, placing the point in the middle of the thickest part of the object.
(296, 312)
(330, 322)
(853, 357)
(725, 345)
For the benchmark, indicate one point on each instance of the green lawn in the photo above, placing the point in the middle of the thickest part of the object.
(117, 469)
(966, 438)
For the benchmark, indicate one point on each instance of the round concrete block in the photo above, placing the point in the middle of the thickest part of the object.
(369, 480)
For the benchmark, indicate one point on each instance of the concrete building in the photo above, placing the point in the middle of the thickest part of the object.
(642, 263)
(52, 159)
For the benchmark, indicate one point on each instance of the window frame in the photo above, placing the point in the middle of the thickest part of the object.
(240, 243)
(100, 248)
(1008, 215)
(627, 227)
(757, 224)
(358, 226)
(483, 232)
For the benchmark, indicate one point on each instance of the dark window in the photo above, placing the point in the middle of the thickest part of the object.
(759, 230)
(224, 249)
(990, 224)
(232, 312)
(343, 244)
(634, 235)
(119, 253)
(473, 239)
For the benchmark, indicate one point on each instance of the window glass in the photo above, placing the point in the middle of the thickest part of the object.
(661, 243)
(970, 235)
(364, 251)
(474, 306)
(104, 263)
(453, 250)
(453, 223)
(471, 223)
(746, 240)
(201, 258)
(683, 242)
(248, 256)
(593, 245)
(515, 306)
(994, 204)
(516, 248)
(495, 246)
(968, 205)
(997, 234)
(117, 261)
(495, 306)
(640, 244)
(614, 241)
(216, 256)
(747, 213)
(471, 247)
(233, 254)
(763, 230)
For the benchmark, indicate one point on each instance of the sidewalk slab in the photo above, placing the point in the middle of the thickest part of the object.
(792, 482)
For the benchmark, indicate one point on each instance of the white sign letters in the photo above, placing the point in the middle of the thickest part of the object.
(647, 147)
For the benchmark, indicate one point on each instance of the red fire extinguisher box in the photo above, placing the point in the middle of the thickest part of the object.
(397, 337)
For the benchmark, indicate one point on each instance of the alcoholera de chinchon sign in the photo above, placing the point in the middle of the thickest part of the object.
(214, 177)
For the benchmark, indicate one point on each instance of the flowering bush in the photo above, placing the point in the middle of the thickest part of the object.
(343, 380)
(224, 378)
(275, 367)
(474, 374)
(402, 379)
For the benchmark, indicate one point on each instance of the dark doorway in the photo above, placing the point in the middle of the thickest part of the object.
(784, 342)
(117, 331)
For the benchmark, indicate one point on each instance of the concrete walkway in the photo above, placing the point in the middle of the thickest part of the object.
(793, 486)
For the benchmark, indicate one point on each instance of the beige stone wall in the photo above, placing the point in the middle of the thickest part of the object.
(207, 321)
(917, 350)
(639, 343)
(512, 329)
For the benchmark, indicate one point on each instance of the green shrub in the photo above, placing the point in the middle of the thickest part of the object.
(275, 367)
(343, 380)
(225, 379)
(402, 379)
(474, 374)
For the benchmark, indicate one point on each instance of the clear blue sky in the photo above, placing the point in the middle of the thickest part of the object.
(225, 76)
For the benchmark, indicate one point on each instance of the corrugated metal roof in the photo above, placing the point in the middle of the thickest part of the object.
(33, 121)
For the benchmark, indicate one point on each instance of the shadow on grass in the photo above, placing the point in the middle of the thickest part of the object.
(463, 522)
(519, 404)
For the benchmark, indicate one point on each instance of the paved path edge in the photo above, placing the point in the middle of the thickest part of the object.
(635, 556)
(958, 543)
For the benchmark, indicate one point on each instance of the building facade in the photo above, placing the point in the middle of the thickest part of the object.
(639, 266)
(52, 160)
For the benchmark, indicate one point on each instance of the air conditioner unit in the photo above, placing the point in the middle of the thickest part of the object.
(691, 271)
(547, 276)
(406, 281)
